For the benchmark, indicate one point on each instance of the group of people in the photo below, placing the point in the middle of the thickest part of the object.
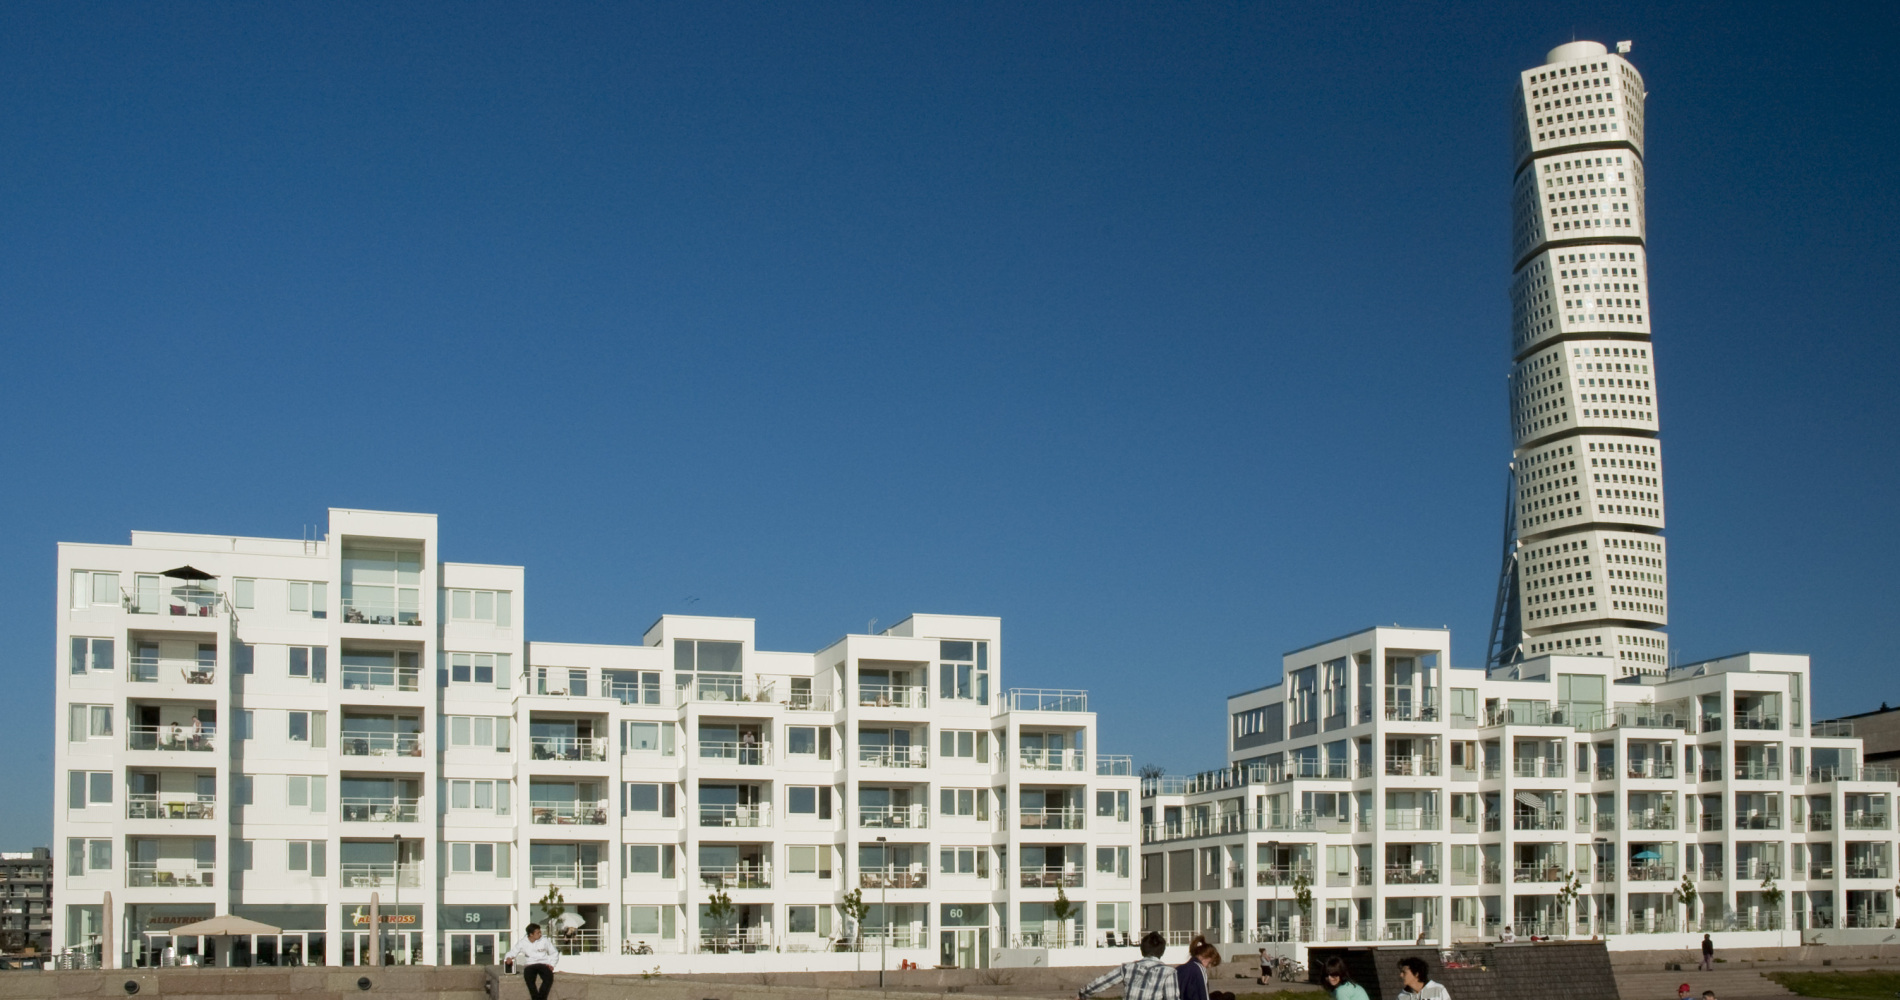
(1149, 978)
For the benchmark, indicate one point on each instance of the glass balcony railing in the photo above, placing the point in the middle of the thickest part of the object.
(1548, 872)
(1051, 819)
(1411, 875)
(1548, 820)
(1757, 821)
(357, 677)
(203, 739)
(1652, 872)
(151, 670)
(893, 878)
(1410, 819)
(169, 874)
(362, 743)
(1652, 821)
(893, 696)
(1531, 767)
(728, 815)
(568, 813)
(893, 817)
(1030, 759)
(1756, 869)
(372, 875)
(147, 805)
(1865, 821)
(1050, 877)
(568, 747)
(742, 754)
(378, 611)
(179, 602)
(1114, 766)
(1426, 767)
(740, 876)
(1047, 700)
(901, 756)
(1749, 770)
(380, 810)
(1867, 869)
(577, 876)
(1757, 720)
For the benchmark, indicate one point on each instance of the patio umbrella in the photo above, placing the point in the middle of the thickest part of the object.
(224, 926)
(1530, 800)
(188, 573)
(1646, 856)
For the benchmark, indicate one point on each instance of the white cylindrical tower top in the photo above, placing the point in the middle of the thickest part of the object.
(1573, 51)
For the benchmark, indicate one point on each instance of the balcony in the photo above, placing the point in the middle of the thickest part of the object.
(1652, 821)
(1548, 820)
(146, 805)
(576, 748)
(1712, 822)
(1051, 760)
(1712, 872)
(1549, 767)
(738, 754)
(175, 738)
(1873, 772)
(575, 876)
(1283, 874)
(893, 878)
(1658, 924)
(1410, 819)
(1820, 822)
(893, 818)
(1601, 872)
(1409, 875)
(1539, 873)
(1418, 767)
(568, 813)
(727, 815)
(1757, 821)
(901, 756)
(191, 600)
(1046, 700)
(1756, 721)
(1651, 769)
(1051, 819)
(1114, 766)
(360, 677)
(893, 696)
(1756, 771)
(170, 874)
(362, 743)
(1833, 730)
(737, 876)
(1050, 877)
(374, 875)
(1756, 869)
(1820, 870)
(1865, 821)
(380, 810)
(1652, 871)
(1868, 869)
(359, 610)
(1406, 712)
(151, 670)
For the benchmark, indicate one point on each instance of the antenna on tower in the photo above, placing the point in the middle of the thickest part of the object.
(870, 627)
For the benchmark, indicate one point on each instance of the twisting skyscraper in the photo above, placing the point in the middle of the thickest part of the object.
(1584, 568)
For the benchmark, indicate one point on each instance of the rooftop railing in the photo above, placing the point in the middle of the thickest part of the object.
(1031, 759)
(1114, 766)
(1047, 700)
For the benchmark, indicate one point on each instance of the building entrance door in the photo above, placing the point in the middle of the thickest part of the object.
(965, 948)
(473, 948)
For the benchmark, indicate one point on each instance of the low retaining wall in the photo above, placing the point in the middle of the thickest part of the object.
(418, 982)
(1500, 972)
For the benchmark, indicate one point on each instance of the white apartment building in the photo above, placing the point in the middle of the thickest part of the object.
(1403, 800)
(286, 729)
(1585, 571)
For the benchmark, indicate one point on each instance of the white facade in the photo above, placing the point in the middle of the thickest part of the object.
(1589, 511)
(1415, 801)
(320, 721)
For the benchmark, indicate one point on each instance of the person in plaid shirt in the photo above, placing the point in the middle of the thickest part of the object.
(1148, 979)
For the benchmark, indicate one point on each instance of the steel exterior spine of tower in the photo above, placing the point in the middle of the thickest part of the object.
(1590, 559)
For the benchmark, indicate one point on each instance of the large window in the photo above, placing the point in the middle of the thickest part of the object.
(808, 741)
(89, 722)
(648, 738)
(310, 663)
(88, 788)
(479, 859)
(1303, 697)
(479, 796)
(309, 727)
(382, 586)
(647, 798)
(479, 732)
(307, 856)
(632, 687)
(309, 597)
(84, 856)
(808, 800)
(650, 859)
(964, 670)
(305, 792)
(91, 587)
(965, 861)
(968, 744)
(91, 654)
(972, 802)
(716, 663)
(657, 921)
(484, 669)
(808, 919)
(492, 606)
(809, 859)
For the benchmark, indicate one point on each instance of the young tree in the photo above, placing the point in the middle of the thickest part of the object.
(856, 909)
(1686, 895)
(552, 904)
(1567, 896)
(1303, 895)
(719, 907)
(1063, 910)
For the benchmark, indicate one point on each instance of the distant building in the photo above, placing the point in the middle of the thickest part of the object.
(1879, 732)
(26, 901)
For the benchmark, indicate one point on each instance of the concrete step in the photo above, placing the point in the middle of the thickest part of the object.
(1728, 984)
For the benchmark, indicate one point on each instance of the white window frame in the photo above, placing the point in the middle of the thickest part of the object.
(470, 605)
(308, 597)
(469, 791)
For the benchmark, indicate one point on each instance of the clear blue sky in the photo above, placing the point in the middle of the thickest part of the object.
(1173, 334)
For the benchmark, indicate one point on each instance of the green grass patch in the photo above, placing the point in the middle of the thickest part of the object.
(1841, 985)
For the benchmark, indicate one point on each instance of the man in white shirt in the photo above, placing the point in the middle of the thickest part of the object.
(1416, 978)
(537, 957)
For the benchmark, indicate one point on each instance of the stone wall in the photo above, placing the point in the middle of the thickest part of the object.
(421, 982)
(1497, 972)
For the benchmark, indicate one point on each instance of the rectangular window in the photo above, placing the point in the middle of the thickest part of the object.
(964, 670)
(648, 797)
(706, 656)
(243, 718)
(244, 658)
(88, 788)
(91, 654)
(244, 593)
(84, 722)
(478, 668)
(648, 738)
(309, 727)
(480, 796)
(801, 740)
(492, 606)
(84, 856)
(974, 802)
(310, 663)
(809, 859)
(92, 589)
(650, 859)
(481, 732)
(479, 859)
(309, 598)
(965, 861)
(243, 788)
(966, 744)
(305, 792)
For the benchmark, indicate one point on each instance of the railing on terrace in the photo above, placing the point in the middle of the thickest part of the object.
(1652, 769)
(1535, 714)
(1030, 759)
(1411, 713)
(737, 876)
(1712, 822)
(167, 874)
(1756, 869)
(564, 812)
(894, 818)
(1410, 819)
(584, 941)
(1281, 874)
(1865, 821)
(1046, 700)
(373, 875)
(1820, 870)
(724, 688)
(1652, 871)
(1757, 821)
(176, 738)
(1410, 875)
(1550, 820)
(182, 602)
(1114, 766)
(1404, 930)
(1464, 876)
(1833, 730)
(893, 696)
(1051, 819)
(1867, 869)
(747, 940)
(1601, 872)
(1542, 927)
(146, 805)
(1492, 872)
(1755, 920)
(1863, 917)
(1820, 822)
(151, 670)
(367, 809)
(1748, 770)
(568, 747)
(1412, 766)
(729, 815)
(741, 754)
(1539, 873)
(1652, 821)
(361, 678)
(893, 757)
(1659, 924)
(1712, 871)
(894, 878)
(1051, 877)
(370, 611)
(361, 743)
(1711, 723)
(579, 876)
(1531, 767)
(1757, 720)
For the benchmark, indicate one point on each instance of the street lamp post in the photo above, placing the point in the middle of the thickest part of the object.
(397, 919)
(883, 904)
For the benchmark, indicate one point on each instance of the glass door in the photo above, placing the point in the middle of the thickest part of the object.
(473, 948)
